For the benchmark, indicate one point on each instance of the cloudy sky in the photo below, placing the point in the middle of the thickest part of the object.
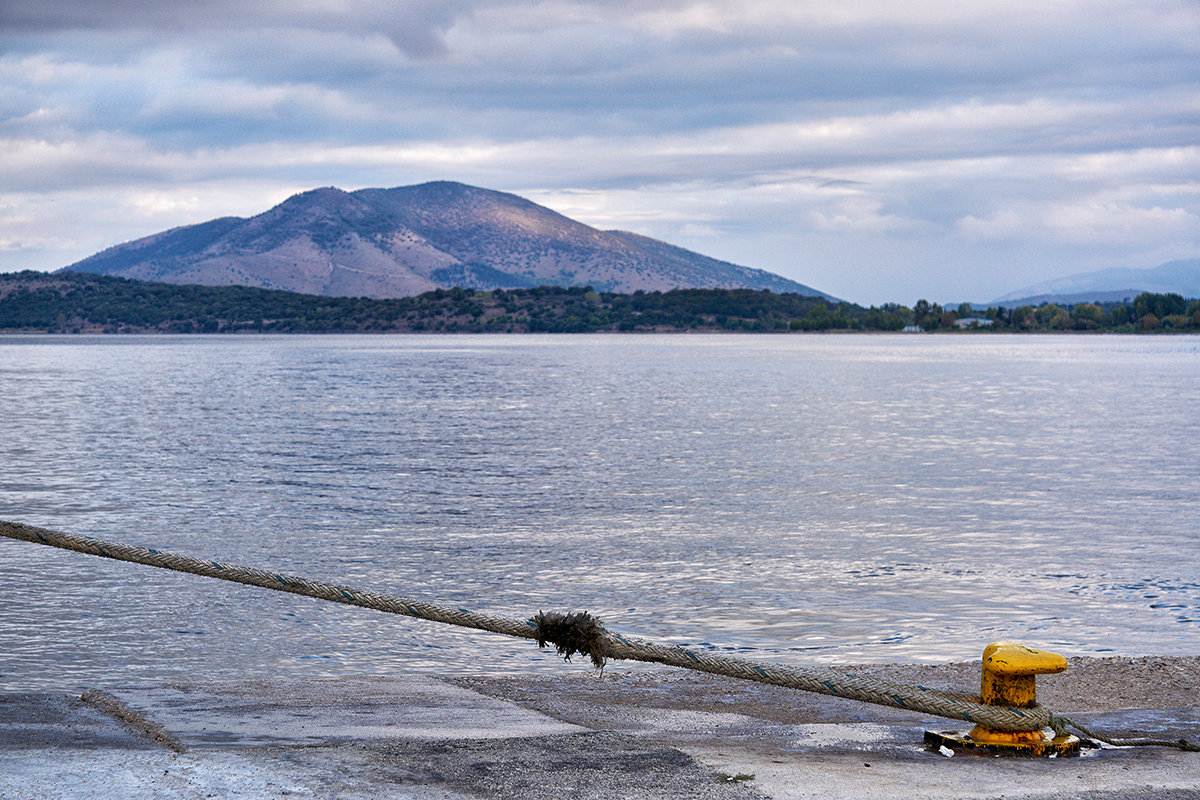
(877, 150)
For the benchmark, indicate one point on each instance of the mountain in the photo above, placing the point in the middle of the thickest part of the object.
(1179, 277)
(404, 241)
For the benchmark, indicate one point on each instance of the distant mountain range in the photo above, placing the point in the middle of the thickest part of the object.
(408, 240)
(1179, 277)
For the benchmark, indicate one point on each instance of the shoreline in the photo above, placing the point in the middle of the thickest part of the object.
(665, 733)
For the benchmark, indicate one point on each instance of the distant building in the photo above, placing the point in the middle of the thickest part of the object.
(913, 329)
(973, 322)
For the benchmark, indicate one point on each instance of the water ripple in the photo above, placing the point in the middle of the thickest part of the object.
(806, 499)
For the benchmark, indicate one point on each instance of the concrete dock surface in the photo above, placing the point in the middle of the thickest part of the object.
(623, 734)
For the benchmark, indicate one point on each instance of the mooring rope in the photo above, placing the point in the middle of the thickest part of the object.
(582, 633)
(1062, 725)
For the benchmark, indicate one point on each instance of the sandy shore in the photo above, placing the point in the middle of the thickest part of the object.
(623, 735)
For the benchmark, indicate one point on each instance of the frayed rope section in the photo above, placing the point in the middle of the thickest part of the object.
(571, 633)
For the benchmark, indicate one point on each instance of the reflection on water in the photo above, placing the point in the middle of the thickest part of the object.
(799, 498)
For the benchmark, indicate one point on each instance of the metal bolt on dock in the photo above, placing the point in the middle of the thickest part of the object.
(1010, 671)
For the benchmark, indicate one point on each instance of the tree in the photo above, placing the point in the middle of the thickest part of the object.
(818, 319)
(1160, 305)
(1046, 312)
(1088, 317)
(1023, 318)
(1061, 320)
(885, 319)
(927, 315)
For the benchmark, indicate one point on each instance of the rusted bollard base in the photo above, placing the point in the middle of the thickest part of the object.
(963, 743)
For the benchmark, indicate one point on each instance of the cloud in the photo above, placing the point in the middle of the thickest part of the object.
(828, 141)
(1003, 224)
(417, 27)
(1112, 222)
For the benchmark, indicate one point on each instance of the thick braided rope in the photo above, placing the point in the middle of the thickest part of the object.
(564, 632)
(1061, 724)
(821, 681)
(271, 580)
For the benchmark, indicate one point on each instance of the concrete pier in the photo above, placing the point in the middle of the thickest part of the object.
(644, 734)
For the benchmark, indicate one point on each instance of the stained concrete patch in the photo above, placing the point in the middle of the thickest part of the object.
(340, 774)
(591, 766)
(264, 713)
(30, 721)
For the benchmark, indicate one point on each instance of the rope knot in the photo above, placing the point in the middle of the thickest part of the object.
(575, 632)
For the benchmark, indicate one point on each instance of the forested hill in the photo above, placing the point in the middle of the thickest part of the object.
(69, 302)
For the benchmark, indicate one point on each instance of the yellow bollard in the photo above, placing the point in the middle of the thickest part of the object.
(1010, 671)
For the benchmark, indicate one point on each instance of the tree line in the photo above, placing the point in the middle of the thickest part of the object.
(67, 302)
(1148, 311)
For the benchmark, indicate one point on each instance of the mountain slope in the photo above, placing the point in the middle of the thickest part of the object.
(411, 239)
(1180, 277)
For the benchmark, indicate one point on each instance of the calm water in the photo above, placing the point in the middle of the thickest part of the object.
(806, 499)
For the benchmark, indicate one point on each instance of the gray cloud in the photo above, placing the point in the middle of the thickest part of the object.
(969, 146)
(416, 26)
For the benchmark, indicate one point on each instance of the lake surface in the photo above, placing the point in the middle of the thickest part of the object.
(800, 498)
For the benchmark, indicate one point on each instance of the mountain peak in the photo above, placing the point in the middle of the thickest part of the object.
(411, 239)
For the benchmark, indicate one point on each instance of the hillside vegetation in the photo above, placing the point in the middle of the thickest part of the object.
(67, 302)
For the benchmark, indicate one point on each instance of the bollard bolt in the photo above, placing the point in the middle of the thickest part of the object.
(1010, 671)
(1009, 679)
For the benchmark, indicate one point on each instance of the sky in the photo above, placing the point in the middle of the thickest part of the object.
(875, 150)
